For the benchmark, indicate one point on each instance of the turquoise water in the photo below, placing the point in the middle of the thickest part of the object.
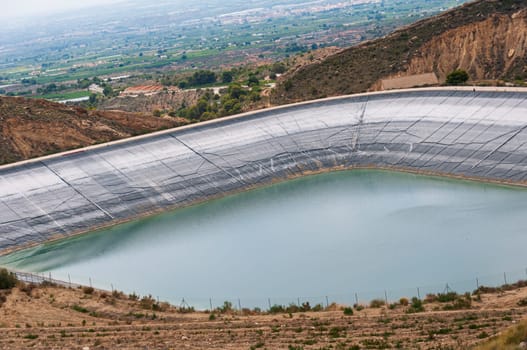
(325, 235)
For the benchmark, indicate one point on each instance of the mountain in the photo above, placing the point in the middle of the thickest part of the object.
(30, 128)
(487, 38)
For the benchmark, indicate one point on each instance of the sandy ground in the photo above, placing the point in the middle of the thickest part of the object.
(61, 318)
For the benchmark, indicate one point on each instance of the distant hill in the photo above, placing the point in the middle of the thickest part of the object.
(487, 38)
(30, 128)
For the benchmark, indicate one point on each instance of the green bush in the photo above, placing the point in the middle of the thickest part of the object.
(317, 308)
(7, 279)
(416, 306)
(446, 297)
(276, 309)
(457, 77)
(348, 311)
(226, 308)
(79, 308)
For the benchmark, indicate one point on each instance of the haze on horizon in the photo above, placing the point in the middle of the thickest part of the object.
(31, 8)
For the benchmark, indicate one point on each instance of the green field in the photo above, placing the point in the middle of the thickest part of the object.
(163, 37)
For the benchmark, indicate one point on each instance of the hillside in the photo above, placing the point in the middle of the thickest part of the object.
(54, 317)
(30, 128)
(488, 38)
(162, 101)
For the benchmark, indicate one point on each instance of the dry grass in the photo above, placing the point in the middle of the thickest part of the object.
(508, 340)
(61, 318)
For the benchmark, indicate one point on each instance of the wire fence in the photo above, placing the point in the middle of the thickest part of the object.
(360, 297)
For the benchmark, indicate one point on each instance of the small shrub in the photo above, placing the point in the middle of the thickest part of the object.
(8, 280)
(291, 347)
(334, 332)
(88, 290)
(118, 294)
(404, 301)
(226, 308)
(306, 306)
(377, 303)
(457, 77)
(318, 308)
(447, 297)
(79, 309)
(257, 346)
(460, 303)
(416, 306)
(348, 311)
(149, 303)
(430, 298)
(522, 302)
(27, 288)
(212, 317)
(186, 310)
(276, 309)
(483, 335)
(31, 336)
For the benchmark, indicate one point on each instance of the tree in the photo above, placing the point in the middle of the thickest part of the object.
(93, 98)
(253, 80)
(108, 91)
(457, 77)
(235, 91)
(226, 77)
(278, 68)
(202, 77)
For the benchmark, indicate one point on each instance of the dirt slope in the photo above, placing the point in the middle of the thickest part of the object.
(488, 38)
(30, 128)
(166, 100)
(490, 49)
(61, 318)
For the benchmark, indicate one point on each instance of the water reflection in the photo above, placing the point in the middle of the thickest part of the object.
(325, 234)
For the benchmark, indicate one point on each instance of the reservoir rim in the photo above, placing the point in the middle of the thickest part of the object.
(393, 169)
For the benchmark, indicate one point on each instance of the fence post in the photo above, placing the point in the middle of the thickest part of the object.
(69, 279)
(327, 302)
(269, 301)
(90, 281)
(477, 283)
(239, 304)
(418, 293)
(210, 303)
(386, 297)
(505, 277)
(356, 299)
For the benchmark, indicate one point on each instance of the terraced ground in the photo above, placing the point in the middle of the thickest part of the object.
(61, 318)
